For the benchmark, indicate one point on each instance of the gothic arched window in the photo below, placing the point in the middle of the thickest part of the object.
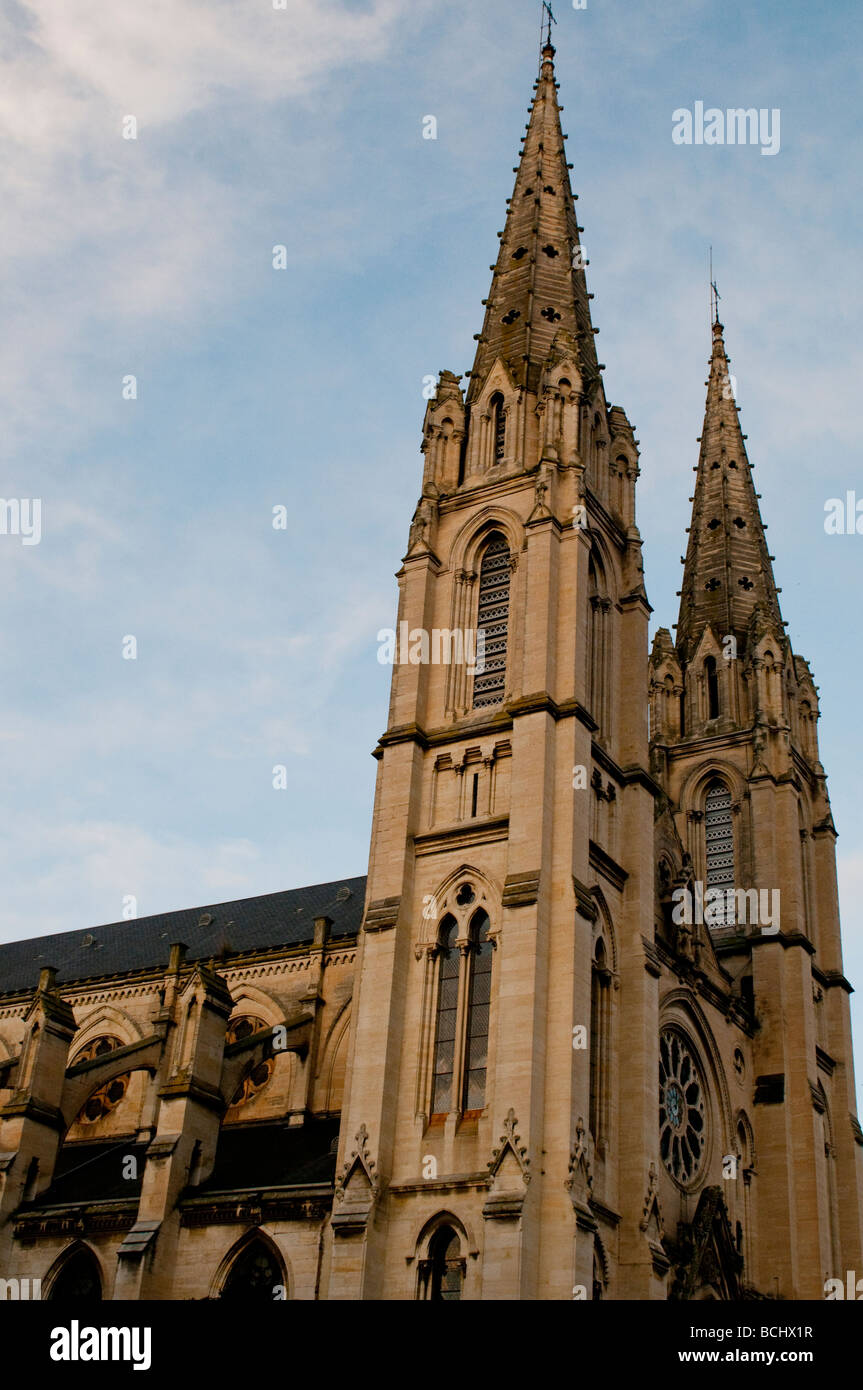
(492, 621)
(479, 1003)
(447, 1266)
(447, 1014)
(712, 678)
(719, 845)
(255, 1275)
(498, 427)
(79, 1279)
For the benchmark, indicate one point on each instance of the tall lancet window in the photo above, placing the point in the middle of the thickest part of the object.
(600, 1013)
(498, 427)
(479, 1003)
(719, 844)
(447, 1014)
(492, 621)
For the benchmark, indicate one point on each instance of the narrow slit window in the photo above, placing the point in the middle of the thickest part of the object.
(599, 980)
(712, 687)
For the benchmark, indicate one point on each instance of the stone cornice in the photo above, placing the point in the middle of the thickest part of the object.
(309, 1202)
(75, 1219)
(500, 722)
(141, 983)
(832, 979)
(466, 833)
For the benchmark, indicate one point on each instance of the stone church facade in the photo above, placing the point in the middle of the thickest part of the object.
(583, 1031)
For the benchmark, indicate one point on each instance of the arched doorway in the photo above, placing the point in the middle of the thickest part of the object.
(256, 1274)
(78, 1280)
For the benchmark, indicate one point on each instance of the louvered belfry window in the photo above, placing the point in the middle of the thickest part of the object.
(493, 620)
(719, 837)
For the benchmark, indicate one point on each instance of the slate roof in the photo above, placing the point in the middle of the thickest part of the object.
(219, 929)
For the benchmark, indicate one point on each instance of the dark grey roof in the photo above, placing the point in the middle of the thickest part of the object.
(219, 930)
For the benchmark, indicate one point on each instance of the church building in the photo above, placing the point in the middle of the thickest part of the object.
(583, 1031)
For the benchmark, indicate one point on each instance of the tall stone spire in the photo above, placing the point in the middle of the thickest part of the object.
(728, 571)
(538, 286)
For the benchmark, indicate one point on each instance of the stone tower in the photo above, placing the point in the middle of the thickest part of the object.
(760, 1165)
(500, 1117)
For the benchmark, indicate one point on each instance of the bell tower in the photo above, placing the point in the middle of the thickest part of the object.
(754, 1012)
(483, 1149)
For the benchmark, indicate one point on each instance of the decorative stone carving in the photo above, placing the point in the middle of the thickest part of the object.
(359, 1163)
(652, 1213)
(580, 1177)
(510, 1142)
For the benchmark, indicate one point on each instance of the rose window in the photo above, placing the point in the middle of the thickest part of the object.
(682, 1109)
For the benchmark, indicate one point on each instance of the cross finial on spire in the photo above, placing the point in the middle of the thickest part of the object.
(714, 295)
(549, 20)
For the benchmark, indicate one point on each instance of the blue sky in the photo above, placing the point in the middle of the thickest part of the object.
(153, 777)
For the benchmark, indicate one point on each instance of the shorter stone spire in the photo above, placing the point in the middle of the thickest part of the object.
(728, 570)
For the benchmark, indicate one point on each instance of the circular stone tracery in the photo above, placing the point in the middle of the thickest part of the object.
(109, 1095)
(682, 1110)
(238, 1029)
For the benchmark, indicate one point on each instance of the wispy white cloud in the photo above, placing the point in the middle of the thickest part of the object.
(101, 231)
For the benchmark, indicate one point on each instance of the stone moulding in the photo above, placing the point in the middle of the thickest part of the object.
(585, 903)
(382, 914)
(521, 890)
